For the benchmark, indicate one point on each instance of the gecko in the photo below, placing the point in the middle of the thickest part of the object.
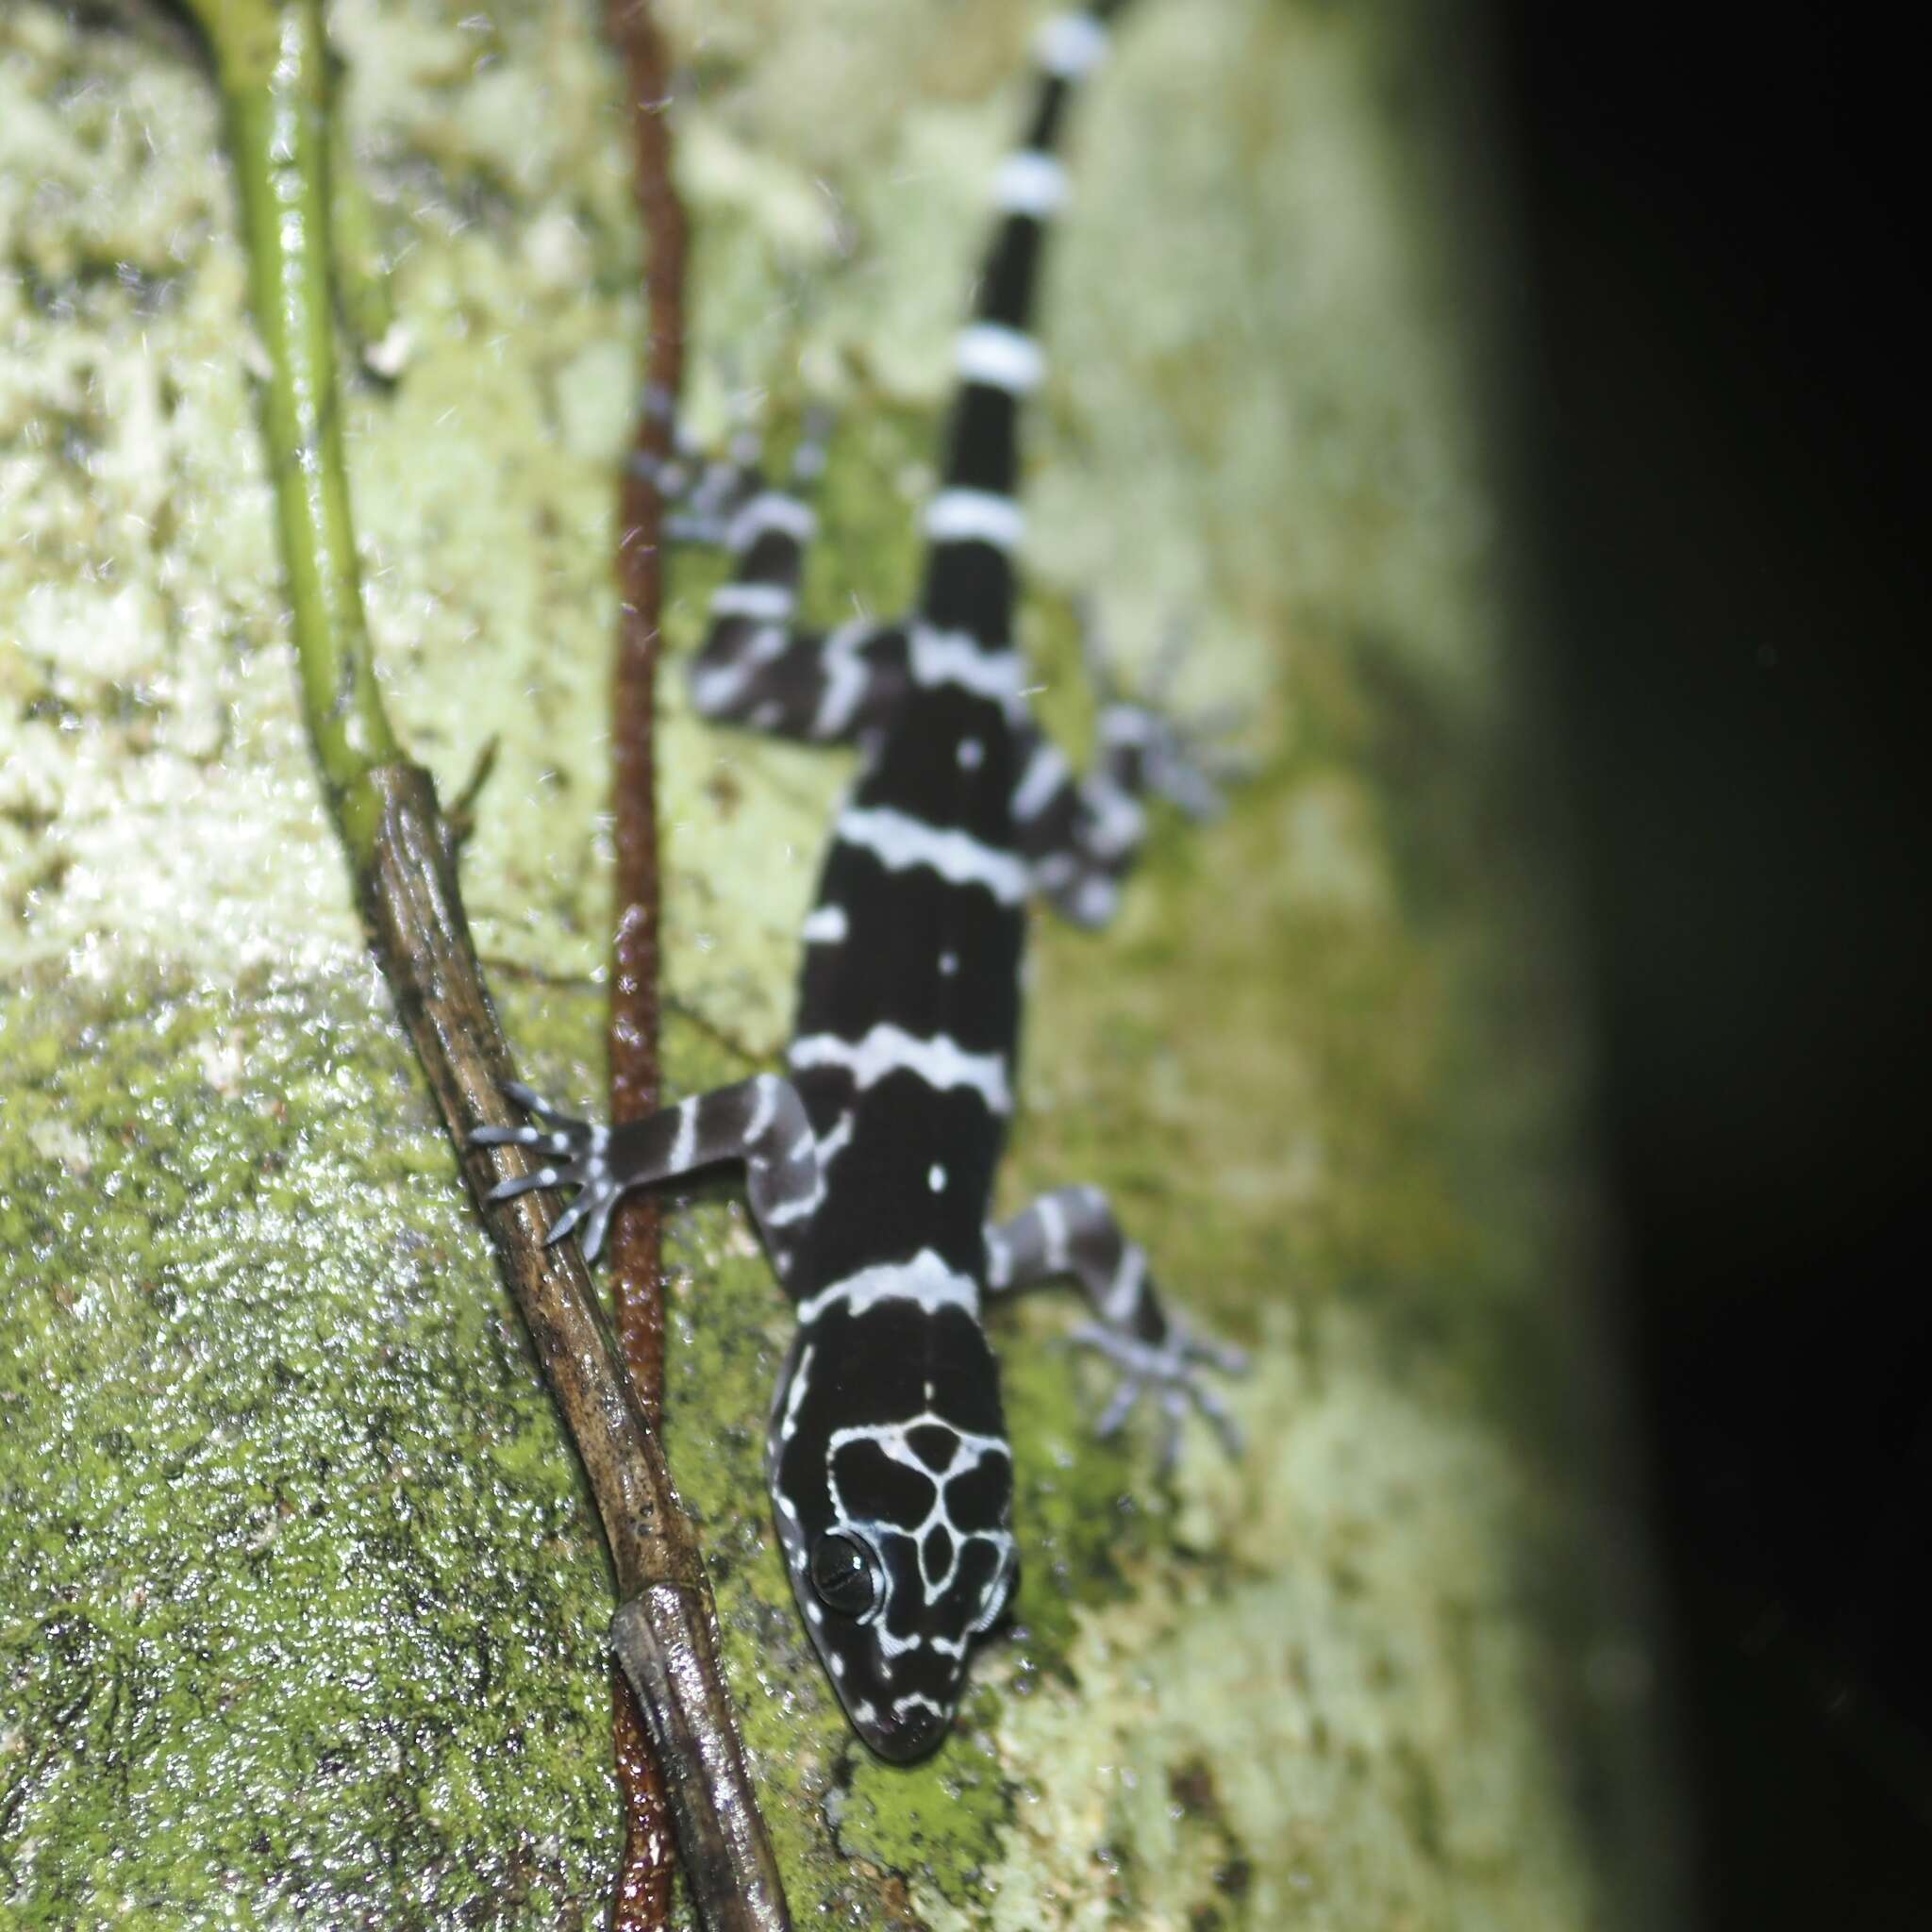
(870, 1163)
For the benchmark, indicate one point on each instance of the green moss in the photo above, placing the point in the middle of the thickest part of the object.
(272, 1632)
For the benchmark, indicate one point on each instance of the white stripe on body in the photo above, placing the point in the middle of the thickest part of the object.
(771, 510)
(957, 657)
(925, 1281)
(941, 1062)
(1030, 183)
(1071, 44)
(1001, 358)
(766, 603)
(901, 842)
(976, 516)
(825, 925)
(794, 1396)
(906, 1699)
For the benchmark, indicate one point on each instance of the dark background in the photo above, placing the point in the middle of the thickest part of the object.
(1724, 429)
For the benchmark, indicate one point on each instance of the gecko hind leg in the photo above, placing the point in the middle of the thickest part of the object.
(1083, 836)
(704, 496)
(1148, 747)
(757, 666)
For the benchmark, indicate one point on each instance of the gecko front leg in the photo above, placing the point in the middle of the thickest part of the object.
(760, 1122)
(1071, 1234)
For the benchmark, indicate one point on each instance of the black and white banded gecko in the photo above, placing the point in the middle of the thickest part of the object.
(870, 1168)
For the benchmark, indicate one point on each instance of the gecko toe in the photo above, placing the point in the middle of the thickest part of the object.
(565, 1222)
(509, 1189)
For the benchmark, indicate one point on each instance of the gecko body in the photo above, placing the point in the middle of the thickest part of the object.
(870, 1163)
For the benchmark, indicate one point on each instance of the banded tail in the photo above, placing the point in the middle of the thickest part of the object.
(974, 524)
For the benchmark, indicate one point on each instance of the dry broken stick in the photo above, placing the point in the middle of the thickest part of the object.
(270, 59)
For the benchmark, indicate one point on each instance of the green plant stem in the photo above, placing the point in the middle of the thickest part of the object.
(271, 62)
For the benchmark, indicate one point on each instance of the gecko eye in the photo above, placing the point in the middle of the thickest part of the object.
(847, 1577)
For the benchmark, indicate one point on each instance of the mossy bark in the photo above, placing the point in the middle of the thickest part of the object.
(305, 1606)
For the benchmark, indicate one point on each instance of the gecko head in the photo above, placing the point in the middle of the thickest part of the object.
(898, 1535)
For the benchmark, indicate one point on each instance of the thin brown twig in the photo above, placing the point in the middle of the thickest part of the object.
(642, 1902)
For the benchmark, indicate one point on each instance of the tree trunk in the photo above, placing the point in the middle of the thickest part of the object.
(304, 1607)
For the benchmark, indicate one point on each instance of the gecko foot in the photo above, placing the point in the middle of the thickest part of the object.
(574, 1153)
(1171, 1370)
(1179, 756)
